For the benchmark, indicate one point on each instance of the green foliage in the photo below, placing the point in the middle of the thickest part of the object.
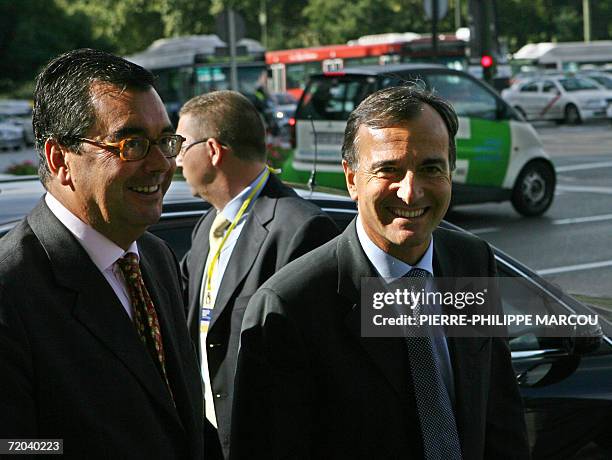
(26, 168)
(33, 31)
(532, 21)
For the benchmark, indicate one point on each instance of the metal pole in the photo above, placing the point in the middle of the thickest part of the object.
(263, 22)
(457, 14)
(586, 20)
(434, 28)
(232, 44)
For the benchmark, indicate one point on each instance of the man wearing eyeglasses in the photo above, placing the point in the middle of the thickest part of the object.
(257, 226)
(93, 344)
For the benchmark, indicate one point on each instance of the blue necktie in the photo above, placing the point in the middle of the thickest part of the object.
(438, 426)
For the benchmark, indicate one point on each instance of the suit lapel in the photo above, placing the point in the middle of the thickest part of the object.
(388, 354)
(96, 306)
(200, 248)
(247, 247)
(161, 300)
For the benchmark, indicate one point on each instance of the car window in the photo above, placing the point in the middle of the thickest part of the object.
(469, 98)
(577, 84)
(333, 98)
(530, 88)
(519, 296)
(605, 81)
(176, 232)
(388, 81)
(549, 87)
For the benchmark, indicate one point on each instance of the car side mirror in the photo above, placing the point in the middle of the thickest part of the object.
(586, 339)
(549, 372)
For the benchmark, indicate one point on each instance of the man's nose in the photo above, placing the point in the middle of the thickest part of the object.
(409, 188)
(179, 159)
(157, 161)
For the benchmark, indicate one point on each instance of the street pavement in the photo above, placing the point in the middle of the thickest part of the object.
(571, 245)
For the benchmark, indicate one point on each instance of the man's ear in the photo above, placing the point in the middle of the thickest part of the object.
(349, 176)
(55, 155)
(216, 151)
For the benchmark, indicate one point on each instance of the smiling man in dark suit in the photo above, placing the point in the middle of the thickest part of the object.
(309, 385)
(257, 225)
(93, 344)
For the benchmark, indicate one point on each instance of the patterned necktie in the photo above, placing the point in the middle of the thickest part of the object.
(144, 314)
(438, 426)
(215, 237)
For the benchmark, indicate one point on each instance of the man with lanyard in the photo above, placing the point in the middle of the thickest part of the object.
(257, 225)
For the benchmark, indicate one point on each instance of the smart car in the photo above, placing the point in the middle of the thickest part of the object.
(499, 155)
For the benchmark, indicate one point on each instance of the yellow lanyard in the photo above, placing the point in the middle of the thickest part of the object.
(241, 211)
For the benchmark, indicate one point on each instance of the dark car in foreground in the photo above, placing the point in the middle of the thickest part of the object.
(566, 382)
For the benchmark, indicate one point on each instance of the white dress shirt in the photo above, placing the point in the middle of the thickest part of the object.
(230, 212)
(102, 251)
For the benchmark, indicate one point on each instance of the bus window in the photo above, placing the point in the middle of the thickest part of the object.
(297, 74)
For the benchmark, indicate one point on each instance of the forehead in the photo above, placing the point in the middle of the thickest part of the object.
(139, 111)
(190, 126)
(425, 135)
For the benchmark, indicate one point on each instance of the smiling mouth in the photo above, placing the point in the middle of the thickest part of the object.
(147, 189)
(414, 213)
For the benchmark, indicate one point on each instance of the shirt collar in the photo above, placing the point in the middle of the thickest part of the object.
(386, 265)
(231, 209)
(102, 251)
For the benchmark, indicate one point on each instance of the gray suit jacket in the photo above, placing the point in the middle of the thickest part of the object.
(71, 362)
(308, 385)
(280, 227)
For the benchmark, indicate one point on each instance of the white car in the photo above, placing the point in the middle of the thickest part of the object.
(16, 114)
(11, 136)
(564, 99)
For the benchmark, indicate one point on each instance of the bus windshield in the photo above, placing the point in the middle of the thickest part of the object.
(333, 98)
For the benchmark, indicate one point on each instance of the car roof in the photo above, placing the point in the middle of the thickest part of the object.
(382, 70)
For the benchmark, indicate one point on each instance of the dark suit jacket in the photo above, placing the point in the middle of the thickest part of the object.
(308, 385)
(71, 363)
(279, 228)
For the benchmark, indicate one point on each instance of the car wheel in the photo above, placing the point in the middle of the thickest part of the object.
(572, 116)
(534, 189)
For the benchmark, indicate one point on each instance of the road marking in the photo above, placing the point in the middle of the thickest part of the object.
(585, 189)
(580, 167)
(480, 231)
(574, 268)
(580, 220)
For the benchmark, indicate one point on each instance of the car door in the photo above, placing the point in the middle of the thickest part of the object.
(549, 103)
(567, 395)
(526, 100)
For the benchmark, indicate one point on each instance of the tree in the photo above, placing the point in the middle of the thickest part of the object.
(33, 31)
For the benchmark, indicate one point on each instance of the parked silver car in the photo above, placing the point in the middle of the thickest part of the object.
(11, 135)
(568, 99)
(16, 114)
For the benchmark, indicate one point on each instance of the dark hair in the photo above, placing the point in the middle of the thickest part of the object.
(63, 108)
(392, 106)
(232, 119)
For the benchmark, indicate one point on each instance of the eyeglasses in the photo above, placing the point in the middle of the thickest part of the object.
(184, 149)
(136, 148)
